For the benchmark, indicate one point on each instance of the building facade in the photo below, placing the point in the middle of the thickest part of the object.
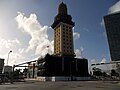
(1, 65)
(63, 33)
(32, 70)
(112, 24)
(8, 69)
(53, 66)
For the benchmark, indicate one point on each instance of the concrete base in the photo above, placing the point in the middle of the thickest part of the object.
(62, 78)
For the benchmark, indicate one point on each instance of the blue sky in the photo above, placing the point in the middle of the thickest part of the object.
(19, 36)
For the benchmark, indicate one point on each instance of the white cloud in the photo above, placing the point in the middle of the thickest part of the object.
(115, 8)
(93, 61)
(8, 44)
(103, 60)
(87, 30)
(79, 52)
(76, 35)
(21, 50)
(102, 23)
(39, 37)
(16, 58)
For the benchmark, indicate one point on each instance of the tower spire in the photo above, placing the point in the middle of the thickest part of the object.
(62, 9)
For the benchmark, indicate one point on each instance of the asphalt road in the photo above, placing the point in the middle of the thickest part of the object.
(73, 85)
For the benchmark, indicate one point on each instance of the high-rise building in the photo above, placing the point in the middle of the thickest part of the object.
(112, 24)
(63, 33)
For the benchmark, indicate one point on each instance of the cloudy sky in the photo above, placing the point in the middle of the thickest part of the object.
(25, 28)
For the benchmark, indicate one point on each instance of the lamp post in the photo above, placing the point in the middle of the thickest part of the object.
(8, 56)
(48, 49)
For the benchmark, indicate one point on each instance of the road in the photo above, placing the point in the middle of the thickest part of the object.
(73, 85)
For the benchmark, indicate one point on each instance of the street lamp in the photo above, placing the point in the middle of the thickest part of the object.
(8, 56)
(48, 49)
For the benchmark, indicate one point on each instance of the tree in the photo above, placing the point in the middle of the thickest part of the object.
(25, 71)
(18, 74)
(104, 74)
(114, 73)
(97, 71)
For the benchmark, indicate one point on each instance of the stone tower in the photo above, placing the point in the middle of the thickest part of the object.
(63, 33)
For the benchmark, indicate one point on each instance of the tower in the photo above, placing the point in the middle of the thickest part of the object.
(63, 33)
(63, 65)
(112, 24)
